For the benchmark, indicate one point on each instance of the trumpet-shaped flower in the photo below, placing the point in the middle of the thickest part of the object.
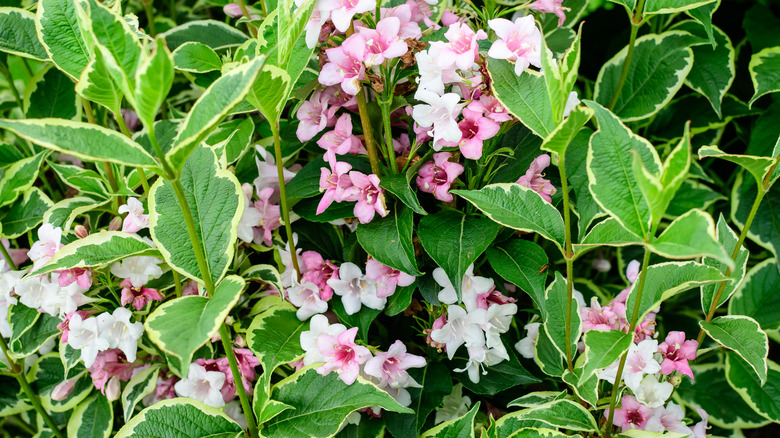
(345, 65)
(437, 176)
(439, 112)
(519, 41)
(340, 140)
(119, 332)
(386, 278)
(677, 352)
(306, 297)
(139, 270)
(342, 11)
(48, 243)
(370, 196)
(355, 289)
(462, 48)
(135, 220)
(342, 355)
(336, 184)
(139, 297)
(668, 419)
(318, 326)
(653, 393)
(534, 178)
(390, 367)
(461, 328)
(204, 386)
(384, 42)
(83, 334)
(632, 414)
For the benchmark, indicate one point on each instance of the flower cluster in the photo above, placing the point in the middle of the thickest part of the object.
(211, 381)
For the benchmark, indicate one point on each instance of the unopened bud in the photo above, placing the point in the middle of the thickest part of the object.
(116, 224)
(63, 390)
(233, 10)
(675, 380)
(113, 389)
(240, 343)
(81, 231)
(601, 265)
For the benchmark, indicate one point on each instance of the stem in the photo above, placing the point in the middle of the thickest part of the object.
(10, 79)
(177, 283)
(390, 151)
(631, 328)
(734, 254)
(8, 258)
(365, 122)
(636, 22)
(245, 11)
(569, 256)
(283, 196)
(231, 355)
(149, 16)
(36, 402)
(144, 181)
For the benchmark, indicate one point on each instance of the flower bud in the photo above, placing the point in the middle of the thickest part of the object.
(63, 390)
(116, 224)
(675, 380)
(232, 10)
(80, 231)
(601, 264)
(113, 389)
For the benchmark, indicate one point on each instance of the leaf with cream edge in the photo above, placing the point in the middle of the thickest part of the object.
(537, 398)
(519, 208)
(658, 68)
(524, 96)
(202, 316)
(759, 167)
(265, 273)
(585, 389)
(455, 240)
(180, 418)
(97, 250)
(322, 403)
(563, 134)
(460, 427)
(389, 239)
(743, 336)
(212, 106)
(63, 213)
(113, 32)
(93, 418)
(82, 140)
(665, 280)
(60, 32)
(611, 177)
(213, 33)
(765, 229)
(602, 349)
(728, 238)
(764, 67)
(25, 214)
(216, 202)
(19, 178)
(519, 262)
(563, 414)
(757, 296)
(765, 400)
(141, 385)
(274, 336)
(23, 40)
(269, 92)
(690, 236)
(196, 57)
(153, 81)
(96, 82)
(555, 316)
(653, 7)
(608, 232)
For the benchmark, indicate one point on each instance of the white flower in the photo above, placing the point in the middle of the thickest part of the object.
(306, 297)
(317, 326)
(526, 346)
(48, 243)
(201, 385)
(495, 321)
(250, 218)
(639, 363)
(455, 405)
(460, 329)
(441, 112)
(234, 411)
(356, 289)
(571, 102)
(653, 393)
(138, 269)
(668, 419)
(471, 286)
(44, 293)
(83, 335)
(430, 78)
(119, 332)
(135, 220)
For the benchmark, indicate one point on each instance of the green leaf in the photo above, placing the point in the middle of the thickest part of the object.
(238, 133)
(322, 403)
(269, 92)
(274, 336)
(703, 14)
(587, 389)
(454, 241)
(689, 236)
(265, 273)
(653, 7)
(658, 68)
(63, 213)
(30, 329)
(389, 240)
(153, 81)
(87, 182)
(113, 32)
(141, 385)
(215, 103)
(20, 37)
(728, 239)
(54, 96)
(562, 136)
(93, 418)
(612, 182)
(25, 214)
(82, 140)
(742, 335)
(518, 207)
(763, 68)
(196, 58)
(19, 178)
(216, 202)
(765, 230)
(435, 384)
(97, 82)
(608, 232)
(212, 33)
(692, 194)
(524, 96)
(759, 167)
(496, 378)
(400, 299)
(60, 33)
(555, 316)
(97, 250)
(587, 209)
(665, 280)
(461, 427)
(180, 418)
(563, 414)
(519, 262)
(765, 400)
(547, 356)
(602, 349)
(398, 185)
(756, 296)
(361, 319)
(202, 317)
(537, 398)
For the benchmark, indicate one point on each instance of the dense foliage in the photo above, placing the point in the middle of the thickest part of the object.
(310, 218)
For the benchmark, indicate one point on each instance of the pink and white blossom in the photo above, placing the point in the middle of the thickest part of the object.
(632, 414)
(461, 48)
(83, 334)
(519, 41)
(490, 107)
(384, 42)
(318, 326)
(677, 352)
(306, 297)
(355, 289)
(390, 370)
(135, 220)
(475, 129)
(668, 419)
(551, 6)
(203, 386)
(342, 355)
(440, 113)
(270, 217)
(47, 245)
(345, 65)
(370, 196)
(337, 185)
(471, 287)
(438, 175)
(342, 11)
(534, 178)
(386, 278)
(139, 270)
(138, 297)
(314, 115)
(653, 393)
(408, 27)
(340, 140)
(318, 271)
(461, 328)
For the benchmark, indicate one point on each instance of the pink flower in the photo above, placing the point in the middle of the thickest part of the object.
(340, 141)
(270, 217)
(63, 389)
(491, 108)
(402, 145)
(337, 98)
(135, 220)
(131, 118)
(390, 367)
(597, 317)
(371, 197)
(47, 245)
(534, 178)
(314, 116)
(487, 299)
(191, 288)
(438, 323)
(306, 297)
(232, 10)
(386, 278)
(82, 276)
(449, 18)
(437, 176)
(110, 364)
(475, 129)
(318, 271)
(462, 48)
(553, 6)
(342, 355)
(18, 256)
(342, 11)
(632, 414)
(700, 429)
(677, 352)
(337, 185)
(268, 175)
(138, 296)
(520, 41)
(408, 28)
(383, 42)
(345, 65)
